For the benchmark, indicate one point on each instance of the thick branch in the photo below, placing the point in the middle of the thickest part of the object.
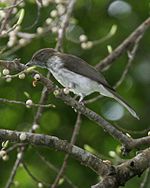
(112, 176)
(81, 155)
(126, 171)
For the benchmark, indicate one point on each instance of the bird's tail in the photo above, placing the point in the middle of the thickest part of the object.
(112, 94)
(126, 105)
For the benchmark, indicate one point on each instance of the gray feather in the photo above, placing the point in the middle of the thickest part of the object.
(118, 98)
(79, 66)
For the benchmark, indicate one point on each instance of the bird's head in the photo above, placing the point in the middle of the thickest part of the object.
(41, 57)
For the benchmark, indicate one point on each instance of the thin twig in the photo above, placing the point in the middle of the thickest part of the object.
(23, 103)
(33, 177)
(103, 64)
(52, 167)
(146, 178)
(8, 13)
(14, 169)
(15, 146)
(93, 99)
(36, 19)
(72, 142)
(106, 37)
(43, 99)
(12, 6)
(65, 23)
(131, 56)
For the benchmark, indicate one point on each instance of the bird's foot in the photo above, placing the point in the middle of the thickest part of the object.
(66, 90)
(81, 99)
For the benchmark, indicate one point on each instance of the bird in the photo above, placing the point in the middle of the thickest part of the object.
(76, 75)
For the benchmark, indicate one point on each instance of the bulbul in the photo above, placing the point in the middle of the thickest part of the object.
(76, 75)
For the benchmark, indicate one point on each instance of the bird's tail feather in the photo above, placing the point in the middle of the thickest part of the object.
(118, 98)
(112, 94)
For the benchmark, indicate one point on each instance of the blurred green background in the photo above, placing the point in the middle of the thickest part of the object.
(93, 18)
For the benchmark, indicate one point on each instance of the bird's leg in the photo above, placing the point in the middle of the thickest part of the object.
(67, 89)
(75, 97)
(81, 99)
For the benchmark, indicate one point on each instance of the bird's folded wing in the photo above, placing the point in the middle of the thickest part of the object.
(79, 66)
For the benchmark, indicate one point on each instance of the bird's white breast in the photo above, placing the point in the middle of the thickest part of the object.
(78, 84)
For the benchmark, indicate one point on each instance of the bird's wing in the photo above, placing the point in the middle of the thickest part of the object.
(79, 66)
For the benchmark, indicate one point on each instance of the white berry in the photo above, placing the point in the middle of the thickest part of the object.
(40, 185)
(23, 136)
(29, 103)
(84, 45)
(61, 9)
(56, 92)
(35, 126)
(54, 29)
(83, 38)
(8, 79)
(6, 71)
(19, 155)
(22, 76)
(36, 76)
(2, 153)
(10, 43)
(12, 33)
(5, 157)
(3, 32)
(89, 44)
(66, 91)
(39, 30)
(112, 154)
(53, 13)
(22, 42)
(48, 21)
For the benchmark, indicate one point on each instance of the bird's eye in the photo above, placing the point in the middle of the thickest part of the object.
(42, 54)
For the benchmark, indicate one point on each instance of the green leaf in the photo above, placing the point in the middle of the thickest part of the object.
(21, 16)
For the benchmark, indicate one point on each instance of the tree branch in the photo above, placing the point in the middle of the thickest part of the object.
(131, 55)
(72, 142)
(103, 64)
(33, 177)
(14, 169)
(8, 13)
(81, 155)
(112, 176)
(127, 170)
(55, 169)
(23, 103)
(65, 22)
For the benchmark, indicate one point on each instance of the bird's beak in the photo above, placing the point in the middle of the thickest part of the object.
(29, 64)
